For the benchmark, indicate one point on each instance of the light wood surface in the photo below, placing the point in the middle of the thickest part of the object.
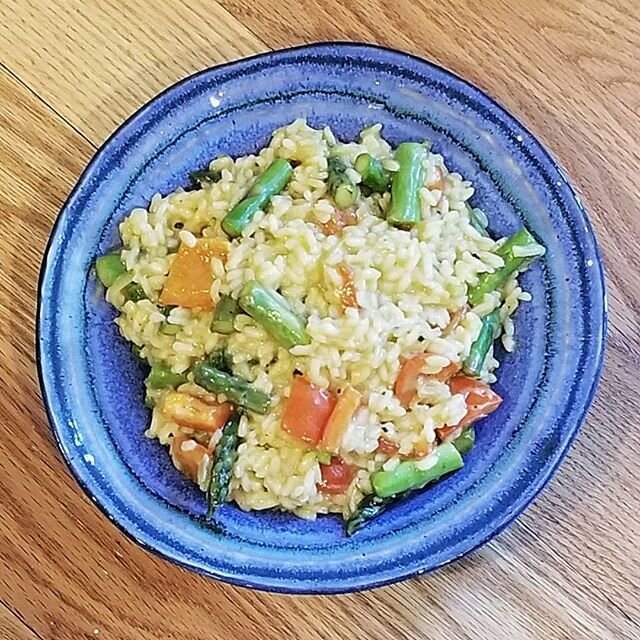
(71, 70)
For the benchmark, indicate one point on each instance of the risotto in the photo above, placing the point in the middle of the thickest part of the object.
(319, 320)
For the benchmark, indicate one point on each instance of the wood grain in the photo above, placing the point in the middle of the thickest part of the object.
(569, 568)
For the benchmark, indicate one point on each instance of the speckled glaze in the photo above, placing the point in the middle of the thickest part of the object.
(92, 384)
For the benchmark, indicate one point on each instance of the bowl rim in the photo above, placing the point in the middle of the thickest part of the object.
(363, 584)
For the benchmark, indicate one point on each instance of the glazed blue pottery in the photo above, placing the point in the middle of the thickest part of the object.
(93, 385)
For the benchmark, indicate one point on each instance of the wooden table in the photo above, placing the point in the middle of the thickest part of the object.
(72, 70)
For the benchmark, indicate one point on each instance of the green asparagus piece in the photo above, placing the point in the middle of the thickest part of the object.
(479, 349)
(342, 188)
(219, 359)
(373, 505)
(224, 314)
(370, 507)
(517, 252)
(373, 174)
(109, 268)
(324, 457)
(137, 352)
(226, 453)
(170, 329)
(273, 312)
(408, 475)
(405, 209)
(134, 291)
(478, 221)
(270, 183)
(465, 441)
(161, 377)
(238, 391)
(204, 177)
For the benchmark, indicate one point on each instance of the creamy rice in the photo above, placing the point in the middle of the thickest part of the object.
(410, 284)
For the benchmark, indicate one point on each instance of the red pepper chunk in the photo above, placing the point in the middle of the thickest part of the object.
(336, 476)
(308, 410)
(480, 398)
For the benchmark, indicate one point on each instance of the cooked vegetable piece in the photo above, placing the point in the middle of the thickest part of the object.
(342, 414)
(409, 474)
(480, 398)
(336, 476)
(137, 352)
(339, 219)
(342, 188)
(190, 276)
(134, 292)
(370, 507)
(324, 457)
(446, 433)
(405, 208)
(347, 292)
(407, 381)
(170, 329)
(387, 447)
(225, 456)
(465, 441)
(270, 183)
(454, 321)
(187, 455)
(478, 221)
(221, 360)
(237, 391)
(308, 410)
(109, 268)
(161, 377)
(373, 174)
(194, 413)
(204, 177)
(224, 314)
(480, 348)
(272, 311)
(520, 249)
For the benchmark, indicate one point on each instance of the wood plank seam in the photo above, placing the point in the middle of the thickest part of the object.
(47, 104)
(20, 618)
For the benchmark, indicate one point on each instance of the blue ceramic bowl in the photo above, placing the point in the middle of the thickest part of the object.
(93, 386)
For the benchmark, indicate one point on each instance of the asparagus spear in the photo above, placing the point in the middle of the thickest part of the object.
(161, 377)
(226, 453)
(409, 474)
(219, 359)
(479, 349)
(517, 252)
(465, 441)
(272, 311)
(204, 177)
(109, 268)
(341, 187)
(373, 174)
(134, 291)
(137, 352)
(270, 183)
(404, 209)
(238, 391)
(170, 329)
(373, 505)
(370, 507)
(224, 314)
